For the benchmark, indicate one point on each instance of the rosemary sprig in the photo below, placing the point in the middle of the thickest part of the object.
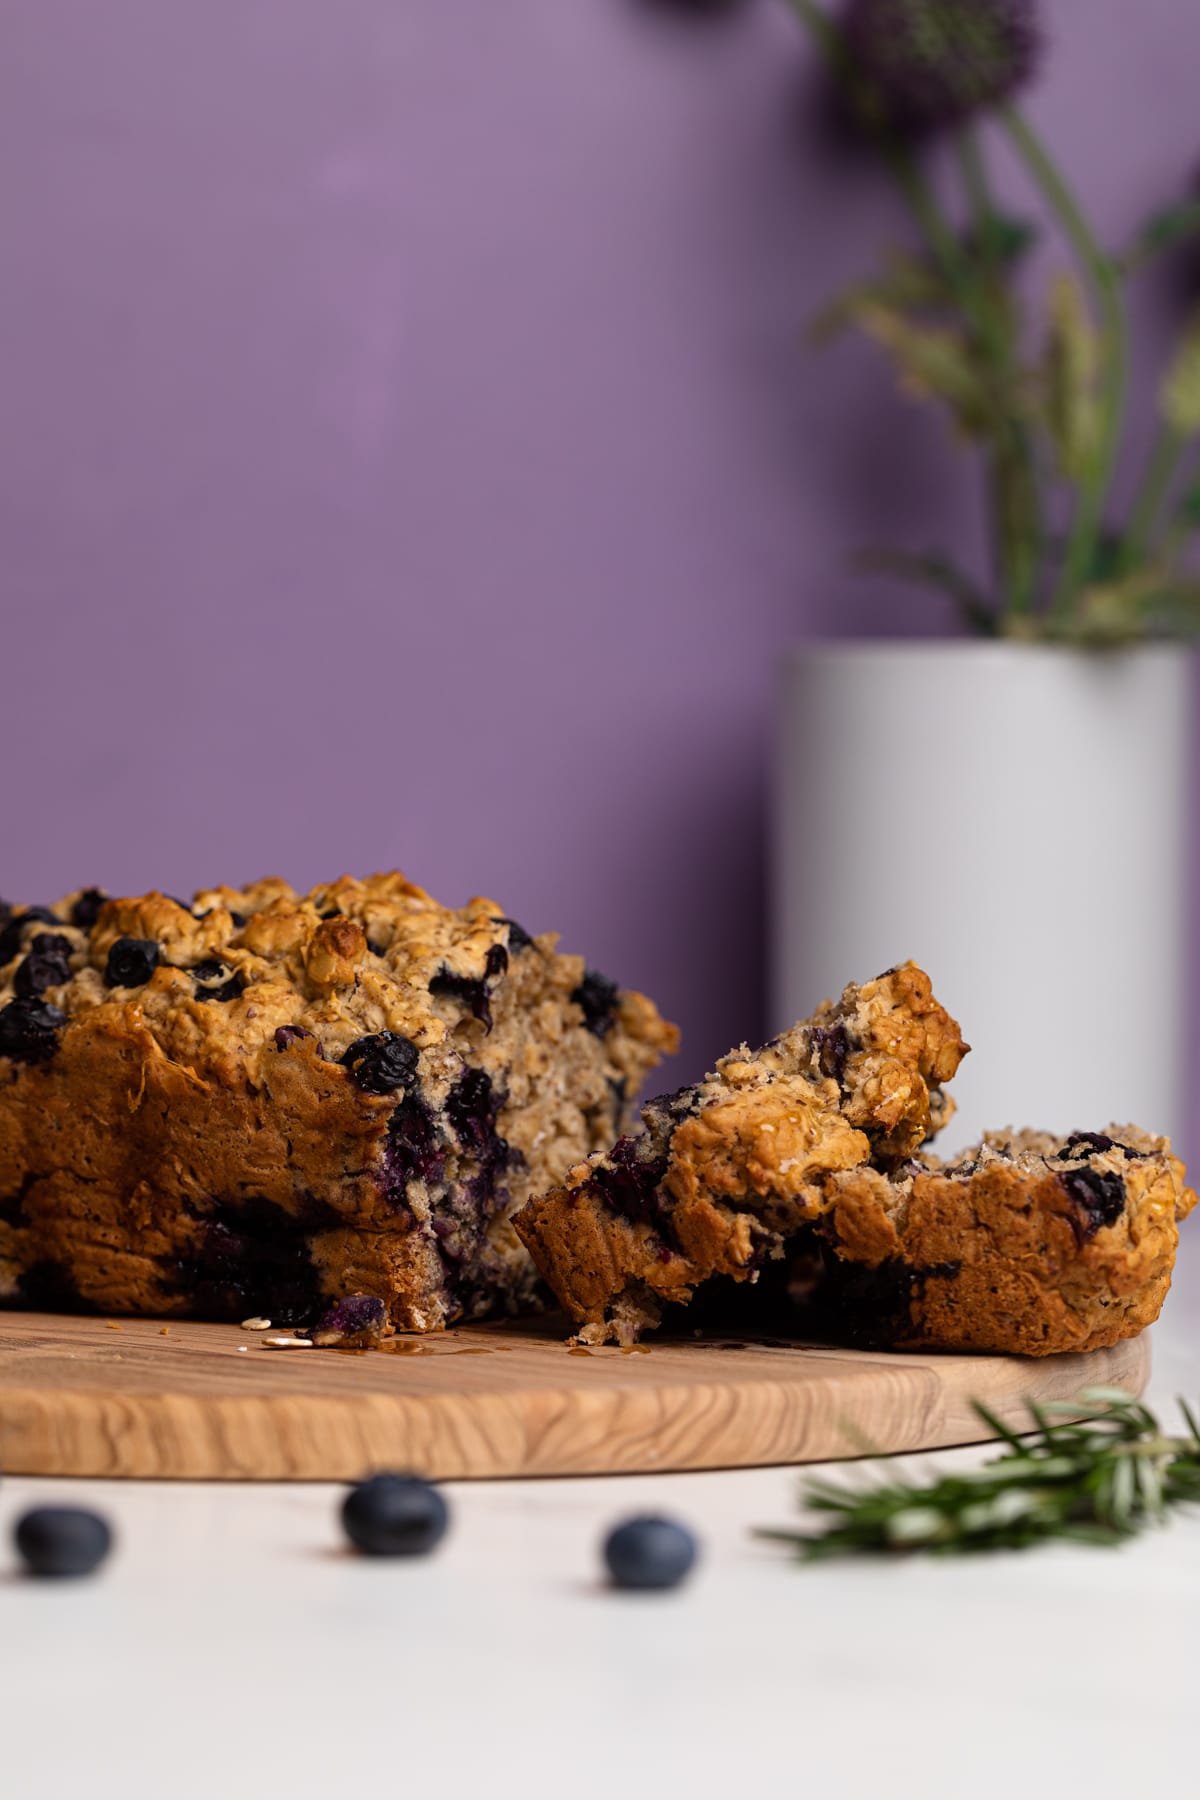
(1098, 1479)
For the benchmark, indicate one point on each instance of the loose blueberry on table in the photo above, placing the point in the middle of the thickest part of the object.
(395, 1515)
(649, 1553)
(62, 1540)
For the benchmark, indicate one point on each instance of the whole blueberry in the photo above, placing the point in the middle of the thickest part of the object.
(394, 1515)
(62, 1540)
(649, 1552)
(382, 1062)
(12, 936)
(47, 965)
(29, 1030)
(131, 962)
(86, 909)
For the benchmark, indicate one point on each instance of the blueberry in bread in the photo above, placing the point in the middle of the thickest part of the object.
(723, 1175)
(264, 1102)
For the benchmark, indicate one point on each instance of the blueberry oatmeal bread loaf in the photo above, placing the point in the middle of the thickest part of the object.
(1027, 1243)
(262, 1102)
(722, 1175)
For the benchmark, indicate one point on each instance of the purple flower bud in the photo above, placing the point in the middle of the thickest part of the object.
(934, 63)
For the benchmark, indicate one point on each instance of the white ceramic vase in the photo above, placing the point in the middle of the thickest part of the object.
(1014, 817)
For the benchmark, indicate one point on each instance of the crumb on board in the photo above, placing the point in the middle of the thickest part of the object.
(111, 1325)
(286, 1343)
(355, 1322)
(256, 1324)
(164, 1331)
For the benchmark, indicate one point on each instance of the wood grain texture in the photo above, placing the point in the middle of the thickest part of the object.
(84, 1397)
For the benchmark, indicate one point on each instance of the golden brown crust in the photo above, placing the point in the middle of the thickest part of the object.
(1029, 1244)
(178, 1153)
(908, 1047)
(1009, 1253)
(726, 1172)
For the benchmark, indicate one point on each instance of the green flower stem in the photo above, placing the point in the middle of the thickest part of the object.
(995, 348)
(1166, 454)
(916, 191)
(1012, 477)
(979, 196)
(1079, 557)
(1180, 529)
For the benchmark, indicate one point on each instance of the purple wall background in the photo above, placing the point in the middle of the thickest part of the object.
(409, 457)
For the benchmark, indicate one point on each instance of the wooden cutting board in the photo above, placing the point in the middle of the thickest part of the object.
(90, 1397)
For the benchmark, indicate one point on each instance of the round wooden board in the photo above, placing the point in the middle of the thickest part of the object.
(212, 1402)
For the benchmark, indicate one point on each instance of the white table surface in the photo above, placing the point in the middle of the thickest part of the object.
(232, 1646)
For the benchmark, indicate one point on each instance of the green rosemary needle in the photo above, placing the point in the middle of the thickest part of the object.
(1096, 1479)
